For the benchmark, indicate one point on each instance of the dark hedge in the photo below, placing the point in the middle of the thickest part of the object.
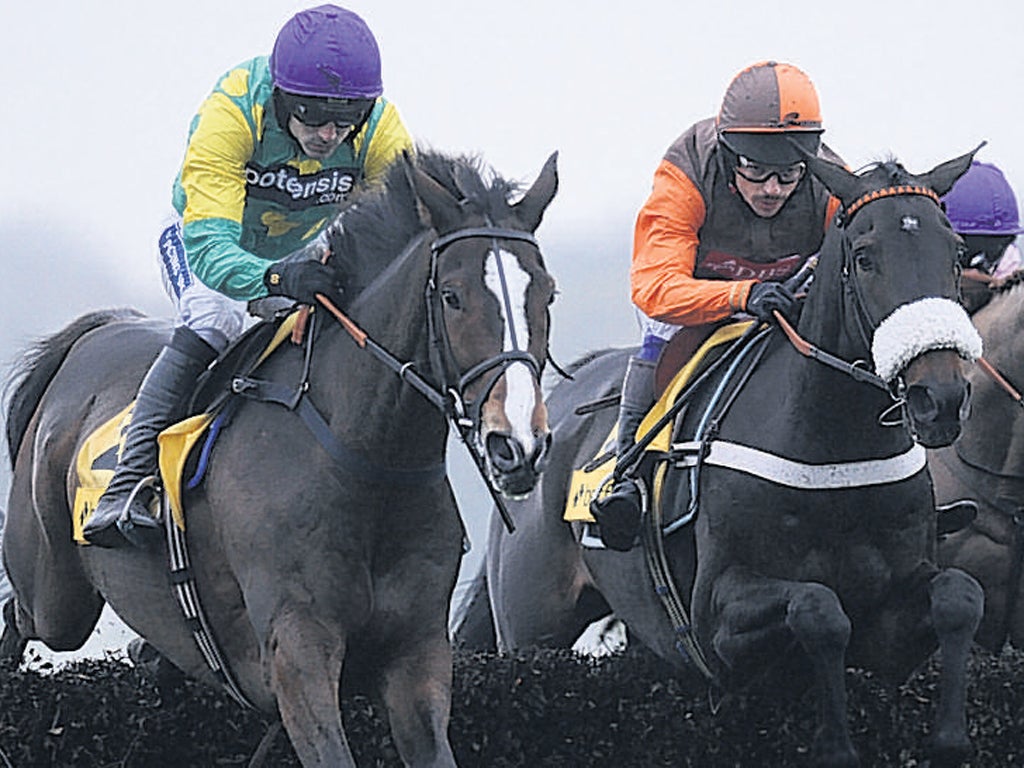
(544, 708)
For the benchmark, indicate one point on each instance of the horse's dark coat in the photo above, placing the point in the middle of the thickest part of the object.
(779, 579)
(305, 569)
(986, 464)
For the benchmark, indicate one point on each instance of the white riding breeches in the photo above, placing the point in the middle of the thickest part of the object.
(214, 317)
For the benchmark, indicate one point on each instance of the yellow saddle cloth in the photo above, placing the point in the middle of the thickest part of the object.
(97, 458)
(588, 484)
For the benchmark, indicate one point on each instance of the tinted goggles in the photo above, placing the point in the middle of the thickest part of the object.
(318, 111)
(759, 174)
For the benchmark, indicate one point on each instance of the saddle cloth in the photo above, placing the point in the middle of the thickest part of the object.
(97, 458)
(588, 483)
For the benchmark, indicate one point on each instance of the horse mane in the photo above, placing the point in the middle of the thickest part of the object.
(29, 376)
(886, 172)
(1009, 282)
(379, 220)
(588, 357)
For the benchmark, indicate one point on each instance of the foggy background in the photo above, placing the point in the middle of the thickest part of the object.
(97, 98)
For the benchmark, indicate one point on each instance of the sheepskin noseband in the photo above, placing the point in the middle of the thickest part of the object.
(919, 327)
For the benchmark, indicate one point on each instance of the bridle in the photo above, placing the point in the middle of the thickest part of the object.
(450, 382)
(446, 390)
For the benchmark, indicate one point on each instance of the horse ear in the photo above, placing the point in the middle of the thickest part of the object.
(438, 208)
(941, 178)
(840, 182)
(530, 209)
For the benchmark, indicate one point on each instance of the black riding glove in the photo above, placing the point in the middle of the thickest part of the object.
(302, 280)
(766, 297)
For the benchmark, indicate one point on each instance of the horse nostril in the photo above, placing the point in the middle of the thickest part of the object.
(504, 451)
(539, 459)
(921, 404)
(965, 402)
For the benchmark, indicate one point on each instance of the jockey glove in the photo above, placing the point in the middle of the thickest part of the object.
(766, 297)
(302, 280)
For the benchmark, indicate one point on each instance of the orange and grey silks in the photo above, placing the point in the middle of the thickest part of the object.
(698, 247)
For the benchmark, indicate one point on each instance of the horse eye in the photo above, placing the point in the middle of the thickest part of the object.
(863, 260)
(449, 297)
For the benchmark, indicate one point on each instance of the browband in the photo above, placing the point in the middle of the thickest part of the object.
(903, 189)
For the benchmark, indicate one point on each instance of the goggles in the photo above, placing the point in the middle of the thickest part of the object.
(314, 111)
(759, 174)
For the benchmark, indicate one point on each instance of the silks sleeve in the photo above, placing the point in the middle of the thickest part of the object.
(213, 181)
(665, 252)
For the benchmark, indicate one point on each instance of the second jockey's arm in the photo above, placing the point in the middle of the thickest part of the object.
(664, 257)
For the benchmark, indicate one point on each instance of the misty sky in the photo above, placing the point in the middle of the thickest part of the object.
(99, 96)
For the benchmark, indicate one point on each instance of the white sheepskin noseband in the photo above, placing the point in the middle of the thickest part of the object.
(919, 327)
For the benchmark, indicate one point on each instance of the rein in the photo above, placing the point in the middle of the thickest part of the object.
(449, 398)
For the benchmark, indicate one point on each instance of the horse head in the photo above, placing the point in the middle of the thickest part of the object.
(488, 299)
(897, 282)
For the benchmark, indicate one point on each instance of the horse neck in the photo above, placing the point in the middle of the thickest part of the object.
(994, 433)
(367, 404)
(833, 400)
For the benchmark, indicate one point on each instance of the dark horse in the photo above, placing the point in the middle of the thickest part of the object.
(322, 557)
(813, 542)
(986, 465)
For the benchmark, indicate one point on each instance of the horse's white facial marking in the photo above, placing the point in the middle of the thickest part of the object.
(519, 402)
(910, 224)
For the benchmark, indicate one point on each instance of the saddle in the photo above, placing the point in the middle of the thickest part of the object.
(680, 363)
(97, 458)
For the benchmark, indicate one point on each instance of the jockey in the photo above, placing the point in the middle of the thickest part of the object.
(272, 152)
(983, 210)
(733, 212)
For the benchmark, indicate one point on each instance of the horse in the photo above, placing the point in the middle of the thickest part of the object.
(986, 465)
(789, 528)
(324, 539)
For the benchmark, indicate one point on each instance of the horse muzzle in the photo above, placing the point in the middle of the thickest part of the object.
(511, 469)
(922, 343)
(936, 409)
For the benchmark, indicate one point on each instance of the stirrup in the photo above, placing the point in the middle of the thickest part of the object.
(613, 529)
(139, 529)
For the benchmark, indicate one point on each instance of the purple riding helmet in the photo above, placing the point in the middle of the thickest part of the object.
(329, 52)
(982, 203)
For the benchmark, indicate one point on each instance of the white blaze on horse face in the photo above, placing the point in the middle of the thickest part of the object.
(520, 390)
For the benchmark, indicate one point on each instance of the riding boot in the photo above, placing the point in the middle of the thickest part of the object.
(122, 514)
(618, 513)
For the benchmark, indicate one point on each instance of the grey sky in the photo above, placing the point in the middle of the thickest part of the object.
(99, 95)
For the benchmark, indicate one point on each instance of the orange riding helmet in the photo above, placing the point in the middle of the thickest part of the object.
(765, 107)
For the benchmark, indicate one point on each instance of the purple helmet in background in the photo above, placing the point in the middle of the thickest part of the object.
(329, 52)
(982, 203)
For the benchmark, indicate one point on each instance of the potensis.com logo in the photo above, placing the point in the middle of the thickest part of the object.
(286, 187)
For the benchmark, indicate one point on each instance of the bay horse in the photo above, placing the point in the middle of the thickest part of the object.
(986, 465)
(792, 529)
(324, 550)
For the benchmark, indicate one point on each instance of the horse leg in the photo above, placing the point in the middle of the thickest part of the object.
(12, 644)
(305, 660)
(956, 603)
(416, 689)
(757, 618)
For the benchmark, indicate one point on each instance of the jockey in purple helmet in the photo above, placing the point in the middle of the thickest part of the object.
(275, 148)
(983, 210)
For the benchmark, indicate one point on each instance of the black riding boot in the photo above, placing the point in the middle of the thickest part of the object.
(618, 513)
(162, 395)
